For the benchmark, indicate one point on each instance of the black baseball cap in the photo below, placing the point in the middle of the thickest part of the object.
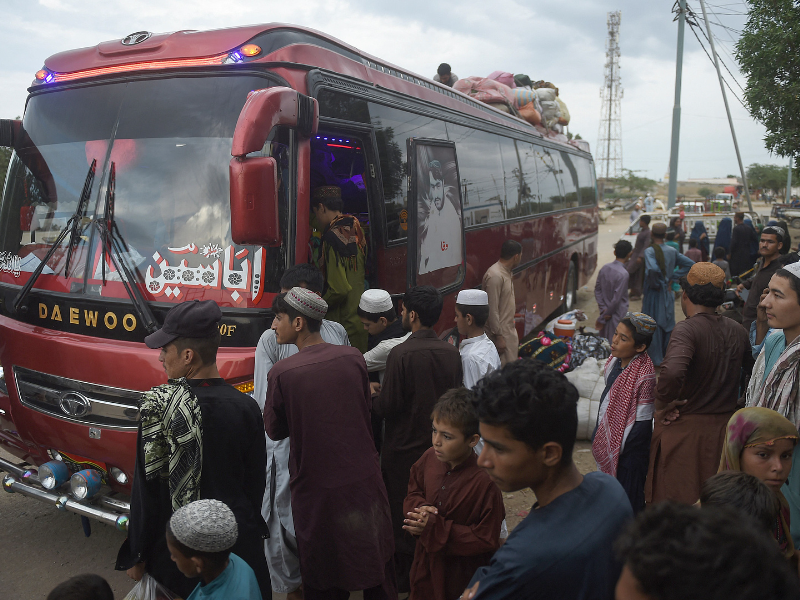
(193, 319)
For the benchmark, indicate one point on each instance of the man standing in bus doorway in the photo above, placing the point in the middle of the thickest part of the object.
(498, 284)
(342, 260)
(418, 372)
(659, 300)
(199, 438)
(441, 234)
(281, 546)
(635, 265)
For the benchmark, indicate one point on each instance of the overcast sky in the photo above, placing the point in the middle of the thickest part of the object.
(562, 42)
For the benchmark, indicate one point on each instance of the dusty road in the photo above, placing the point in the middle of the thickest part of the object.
(41, 546)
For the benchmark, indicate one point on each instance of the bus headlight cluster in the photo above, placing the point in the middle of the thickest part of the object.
(53, 474)
(119, 476)
(85, 484)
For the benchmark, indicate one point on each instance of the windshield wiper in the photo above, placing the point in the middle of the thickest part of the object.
(113, 245)
(72, 227)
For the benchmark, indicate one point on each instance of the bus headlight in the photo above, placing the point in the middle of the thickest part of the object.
(53, 474)
(85, 484)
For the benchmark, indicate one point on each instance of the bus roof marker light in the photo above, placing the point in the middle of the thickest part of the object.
(250, 50)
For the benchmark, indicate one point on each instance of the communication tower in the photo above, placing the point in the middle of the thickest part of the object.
(609, 138)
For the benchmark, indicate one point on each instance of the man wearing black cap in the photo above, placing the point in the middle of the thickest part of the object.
(199, 437)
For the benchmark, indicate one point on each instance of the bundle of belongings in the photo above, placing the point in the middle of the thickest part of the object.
(536, 102)
(549, 349)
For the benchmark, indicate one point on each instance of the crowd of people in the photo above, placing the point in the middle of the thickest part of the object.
(375, 461)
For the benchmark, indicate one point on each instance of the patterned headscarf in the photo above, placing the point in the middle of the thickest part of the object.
(172, 436)
(644, 324)
(752, 427)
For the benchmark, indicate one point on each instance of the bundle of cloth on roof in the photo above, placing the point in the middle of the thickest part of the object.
(486, 90)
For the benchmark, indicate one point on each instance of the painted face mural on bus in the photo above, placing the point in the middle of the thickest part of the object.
(438, 209)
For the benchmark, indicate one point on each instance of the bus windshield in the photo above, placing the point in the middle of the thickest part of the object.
(170, 143)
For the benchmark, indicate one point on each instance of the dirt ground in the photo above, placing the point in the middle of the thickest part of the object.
(41, 546)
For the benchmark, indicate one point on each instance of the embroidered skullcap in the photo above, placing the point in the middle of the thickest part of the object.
(307, 303)
(659, 229)
(775, 230)
(642, 323)
(205, 526)
(793, 268)
(705, 272)
(375, 301)
(473, 298)
(327, 191)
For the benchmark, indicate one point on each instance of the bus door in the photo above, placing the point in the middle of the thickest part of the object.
(436, 248)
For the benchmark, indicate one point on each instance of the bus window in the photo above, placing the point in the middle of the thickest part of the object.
(392, 128)
(344, 107)
(551, 188)
(587, 182)
(569, 179)
(520, 178)
(482, 184)
(437, 257)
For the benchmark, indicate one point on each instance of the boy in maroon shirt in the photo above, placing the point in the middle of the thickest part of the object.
(453, 507)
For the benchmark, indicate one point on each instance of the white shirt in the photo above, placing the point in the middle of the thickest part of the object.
(376, 358)
(479, 357)
(442, 244)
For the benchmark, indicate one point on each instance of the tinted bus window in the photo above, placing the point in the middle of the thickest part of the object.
(522, 190)
(548, 170)
(392, 128)
(569, 177)
(586, 182)
(342, 106)
(482, 184)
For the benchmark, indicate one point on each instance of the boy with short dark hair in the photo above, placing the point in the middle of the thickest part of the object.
(453, 508)
(563, 548)
(82, 587)
(200, 536)
(745, 493)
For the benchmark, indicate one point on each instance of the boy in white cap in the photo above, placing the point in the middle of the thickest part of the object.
(479, 355)
(319, 398)
(200, 536)
(377, 313)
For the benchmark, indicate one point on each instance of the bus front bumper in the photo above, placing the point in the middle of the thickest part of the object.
(105, 508)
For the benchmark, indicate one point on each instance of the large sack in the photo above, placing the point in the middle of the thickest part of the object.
(530, 114)
(551, 113)
(523, 80)
(564, 119)
(485, 90)
(546, 94)
(503, 77)
(523, 96)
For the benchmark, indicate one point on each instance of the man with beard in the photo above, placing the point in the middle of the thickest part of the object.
(441, 240)
(418, 372)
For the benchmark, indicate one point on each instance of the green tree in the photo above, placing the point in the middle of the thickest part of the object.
(767, 177)
(769, 56)
(704, 192)
(633, 182)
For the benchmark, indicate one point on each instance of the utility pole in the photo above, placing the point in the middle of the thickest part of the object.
(727, 108)
(672, 194)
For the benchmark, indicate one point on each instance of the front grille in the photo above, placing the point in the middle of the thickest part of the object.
(78, 401)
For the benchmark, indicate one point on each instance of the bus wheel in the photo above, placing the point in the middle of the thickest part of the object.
(571, 294)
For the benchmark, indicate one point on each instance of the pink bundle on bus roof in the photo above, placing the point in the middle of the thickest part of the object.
(503, 77)
(485, 90)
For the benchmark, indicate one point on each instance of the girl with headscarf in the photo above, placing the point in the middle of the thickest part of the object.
(677, 224)
(760, 442)
(775, 382)
(700, 234)
(621, 443)
(724, 233)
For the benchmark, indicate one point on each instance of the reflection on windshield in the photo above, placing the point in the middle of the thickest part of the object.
(171, 153)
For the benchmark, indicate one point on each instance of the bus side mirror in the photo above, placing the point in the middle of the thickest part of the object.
(254, 201)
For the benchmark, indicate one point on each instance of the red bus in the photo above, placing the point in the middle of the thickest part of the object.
(167, 167)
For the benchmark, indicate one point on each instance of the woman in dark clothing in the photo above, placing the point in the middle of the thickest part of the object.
(676, 223)
(700, 234)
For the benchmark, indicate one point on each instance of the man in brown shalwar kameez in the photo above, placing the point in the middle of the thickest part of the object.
(697, 390)
(418, 372)
(499, 285)
(320, 399)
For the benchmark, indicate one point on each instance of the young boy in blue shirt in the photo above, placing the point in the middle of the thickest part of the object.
(200, 536)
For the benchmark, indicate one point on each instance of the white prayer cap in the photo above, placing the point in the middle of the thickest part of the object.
(375, 301)
(794, 269)
(473, 298)
(205, 526)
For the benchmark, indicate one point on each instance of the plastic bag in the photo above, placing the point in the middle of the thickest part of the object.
(530, 114)
(149, 589)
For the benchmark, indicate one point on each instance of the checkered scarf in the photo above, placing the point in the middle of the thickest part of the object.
(172, 435)
(632, 390)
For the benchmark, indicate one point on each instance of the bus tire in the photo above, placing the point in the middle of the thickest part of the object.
(571, 292)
